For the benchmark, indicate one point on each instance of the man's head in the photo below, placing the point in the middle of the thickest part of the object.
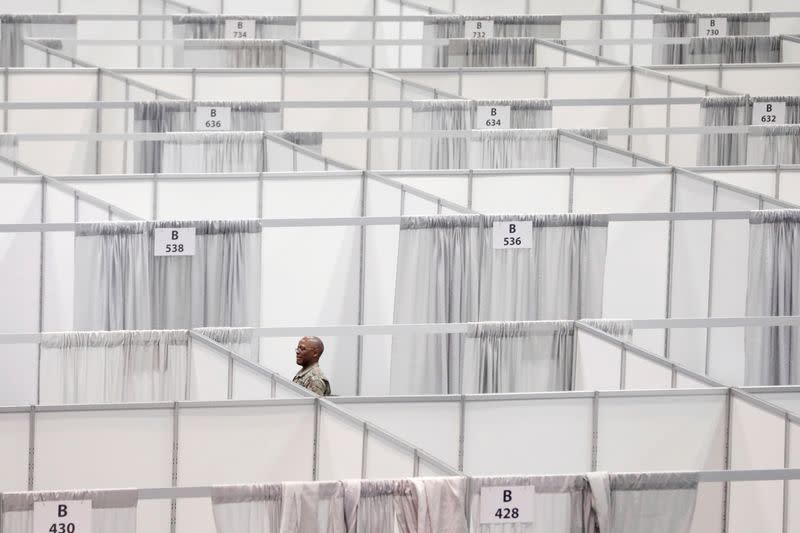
(308, 351)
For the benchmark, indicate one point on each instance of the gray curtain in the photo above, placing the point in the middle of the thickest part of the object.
(311, 140)
(621, 329)
(758, 49)
(676, 25)
(493, 52)
(771, 145)
(213, 26)
(435, 115)
(112, 510)
(202, 152)
(15, 28)
(773, 289)
(120, 284)
(241, 341)
(234, 53)
(452, 27)
(114, 366)
(167, 116)
(716, 149)
(247, 508)
(525, 113)
(380, 505)
(448, 271)
(514, 149)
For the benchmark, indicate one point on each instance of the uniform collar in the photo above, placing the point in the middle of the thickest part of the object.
(307, 370)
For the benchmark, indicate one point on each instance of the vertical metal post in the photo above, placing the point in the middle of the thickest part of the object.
(76, 207)
(630, 107)
(230, 377)
(175, 451)
(400, 110)
(374, 35)
(571, 204)
(632, 32)
(139, 36)
(127, 112)
(727, 457)
(164, 36)
(273, 386)
(194, 85)
(362, 266)
(594, 154)
(546, 82)
(778, 181)
(402, 200)
(6, 74)
(470, 185)
(364, 442)
(595, 427)
(787, 441)
(370, 95)
(42, 236)
(623, 363)
(416, 463)
(400, 36)
(602, 12)
(315, 458)
(98, 119)
(460, 81)
(670, 259)
(31, 446)
(669, 120)
(462, 422)
(711, 280)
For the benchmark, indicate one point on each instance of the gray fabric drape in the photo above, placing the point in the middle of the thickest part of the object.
(213, 26)
(380, 505)
(202, 152)
(235, 53)
(15, 28)
(311, 140)
(773, 289)
(434, 115)
(120, 284)
(247, 508)
(514, 149)
(493, 52)
(656, 503)
(676, 25)
(771, 145)
(112, 510)
(448, 271)
(114, 366)
(452, 27)
(723, 148)
(166, 116)
(242, 341)
(758, 49)
(621, 329)
(518, 357)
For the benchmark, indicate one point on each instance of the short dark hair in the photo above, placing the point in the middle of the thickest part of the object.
(318, 343)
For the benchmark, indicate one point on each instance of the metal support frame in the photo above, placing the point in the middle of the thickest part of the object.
(175, 458)
(711, 279)
(670, 258)
(595, 427)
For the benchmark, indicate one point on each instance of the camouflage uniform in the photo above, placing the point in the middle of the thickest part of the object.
(314, 380)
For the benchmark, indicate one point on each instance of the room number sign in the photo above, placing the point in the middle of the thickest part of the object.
(507, 505)
(479, 29)
(212, 118)
(491, 117)
(240, 29)
(712, 27)
(769, 113)
(512, 234)
(174, 241)
(62, 517)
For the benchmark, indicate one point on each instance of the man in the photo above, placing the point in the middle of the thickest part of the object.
(308, 352)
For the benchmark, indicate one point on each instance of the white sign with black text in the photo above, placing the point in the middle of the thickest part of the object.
(768, 113)
(62, 517)
(490, 117)
(507, 505)
(512, 234)
(479, 29)
(212, 118)
(240, 29)
(174, 241)
(712, 27)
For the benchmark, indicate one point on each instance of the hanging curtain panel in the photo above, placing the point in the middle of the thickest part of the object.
(235, 53)
(242, 341)
(214, 26)
(166, 116)
(514, 148)
(773, 145)
(121, 284)
(380, 505)
(676, 25)
(440, 115)
(560, 277)
(772, 354)
(559, 505)
(525, 114)
(518, 357)
(203, 152)
(15, 28)
(247, 508)
(492, 52)
(313, 507)
(758, 49)
(621, 329)
(111, 510)
(311, 140)
(716, 149)
(449, 271)
(454, 27)
(114, 367)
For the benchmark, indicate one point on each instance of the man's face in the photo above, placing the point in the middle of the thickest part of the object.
(306, 353)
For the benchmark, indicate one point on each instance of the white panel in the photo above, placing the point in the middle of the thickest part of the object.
(641, 373)
(326, 86)
(307, 197)
(505, 437)
(264, 444)
(431, 426)
(58, 263)
(178, 83)
(386, 460)
(785, 400)
(238, 86)
(498, 85)
(521, 194)
(18, 374)
(249, 384)
(597, 363)
(775, 81)
(136, 197)
(106, 449)
(209, 373)
(661, 433)
(622, 194)
(585, 84)
(414, 205)
(761, 181)
(686, 382)
(574, 153)
(339, 448)
(452, 188)
(649, 116)
(757, 441)
(790, 186)
(19, 258)
(223, 199)
(14, 451)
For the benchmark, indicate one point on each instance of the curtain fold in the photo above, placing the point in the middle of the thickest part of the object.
(736, 49)
(114, 366)
(656, 503)
(448, 271)
(716, 149)
(492, 52)
(15, 28)
(502, 357)
(235, 53)
(773, 145)
(514, 149)
(313, 507)
(112, 510)
(213, 26)
(247, 508)
(121, 285)
(380, 505)
(241, 341)
(203, 152)
(773, 289)
(435, 115)
(621, 329)
(311, 140)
